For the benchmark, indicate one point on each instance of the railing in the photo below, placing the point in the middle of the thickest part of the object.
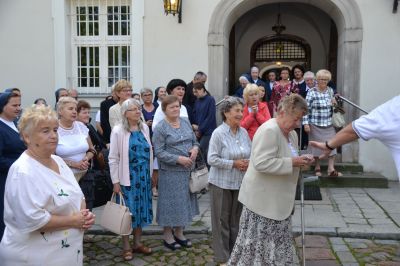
(351, 103)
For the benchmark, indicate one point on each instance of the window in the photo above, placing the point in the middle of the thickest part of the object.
(101, 44)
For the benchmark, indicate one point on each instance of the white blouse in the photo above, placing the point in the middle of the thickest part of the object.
(72, 143)
(33, 193)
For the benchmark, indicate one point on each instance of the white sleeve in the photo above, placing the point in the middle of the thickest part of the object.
(183, 111)
(98, 116)
(380, 122)
(158, 116)
(27, 201)
(83, 128)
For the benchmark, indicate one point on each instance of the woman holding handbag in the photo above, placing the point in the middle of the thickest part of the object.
(131, 162)
(318, 120)
(228, 157)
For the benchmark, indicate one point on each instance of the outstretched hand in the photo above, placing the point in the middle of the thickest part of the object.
(322, 147)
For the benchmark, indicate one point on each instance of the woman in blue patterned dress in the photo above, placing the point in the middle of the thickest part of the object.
(131, 161)
(176, 149)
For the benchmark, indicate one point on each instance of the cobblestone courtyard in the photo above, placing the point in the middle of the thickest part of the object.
(320, 250)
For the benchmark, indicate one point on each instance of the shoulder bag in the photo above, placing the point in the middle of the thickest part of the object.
(116, 217)
(199, 175)
(337, 113)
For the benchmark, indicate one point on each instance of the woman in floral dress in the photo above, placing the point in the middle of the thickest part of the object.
(131, 161)
(281, 88)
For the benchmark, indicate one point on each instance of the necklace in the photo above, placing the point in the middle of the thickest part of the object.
(64, 127)
(174, 124)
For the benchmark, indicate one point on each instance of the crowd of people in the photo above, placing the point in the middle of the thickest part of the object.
(152, 141)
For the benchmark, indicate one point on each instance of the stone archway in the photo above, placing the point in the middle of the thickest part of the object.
(345, 14)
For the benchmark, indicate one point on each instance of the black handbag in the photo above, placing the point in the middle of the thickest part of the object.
(103, 188)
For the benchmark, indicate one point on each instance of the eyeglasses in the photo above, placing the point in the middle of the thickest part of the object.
(127, 90)
(145, 95)
(326, 80)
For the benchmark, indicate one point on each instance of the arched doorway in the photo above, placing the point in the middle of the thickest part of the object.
(347, 19)
(271, 52)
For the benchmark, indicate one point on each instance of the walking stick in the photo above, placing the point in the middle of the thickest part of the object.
(303, 241)
(302, 216)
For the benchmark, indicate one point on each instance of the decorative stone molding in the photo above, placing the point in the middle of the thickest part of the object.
(345, 14)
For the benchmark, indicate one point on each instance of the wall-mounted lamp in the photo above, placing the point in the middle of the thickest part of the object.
(173, 7)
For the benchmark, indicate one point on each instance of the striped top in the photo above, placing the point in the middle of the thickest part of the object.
(224, 148)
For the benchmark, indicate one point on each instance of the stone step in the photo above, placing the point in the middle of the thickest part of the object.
(361, 179)
(343, 167)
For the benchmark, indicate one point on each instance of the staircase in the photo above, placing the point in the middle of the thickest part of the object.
(353, 176)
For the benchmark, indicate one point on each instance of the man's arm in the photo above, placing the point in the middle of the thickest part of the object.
(344, 136)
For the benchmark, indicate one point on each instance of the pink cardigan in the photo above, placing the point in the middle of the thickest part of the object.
(118, 158)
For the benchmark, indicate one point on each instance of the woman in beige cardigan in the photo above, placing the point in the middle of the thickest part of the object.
(269, 187)
(131, 163)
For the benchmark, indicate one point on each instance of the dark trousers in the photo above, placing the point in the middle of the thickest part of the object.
(225, 217)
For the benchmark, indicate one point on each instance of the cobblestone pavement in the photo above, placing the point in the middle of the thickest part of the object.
(320, 250)
(107, 250)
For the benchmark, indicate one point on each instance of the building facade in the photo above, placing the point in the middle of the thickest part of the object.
(89, 44)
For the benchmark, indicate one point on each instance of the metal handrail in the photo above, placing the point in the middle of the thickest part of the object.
(218, 103)
(351, 103)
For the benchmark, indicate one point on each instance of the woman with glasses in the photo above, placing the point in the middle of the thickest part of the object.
(318, 120)
(131, 163)
(123, 91)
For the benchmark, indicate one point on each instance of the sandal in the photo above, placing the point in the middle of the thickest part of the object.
(142, 249)
(318, 172)
(184, 243)
(172, 246)
(127, 255)
(334, 173)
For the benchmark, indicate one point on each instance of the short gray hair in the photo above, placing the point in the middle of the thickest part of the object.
(309, 75)
(125, 107)
(227, 105)
(292, 104)
(144, 90)
(243, 77)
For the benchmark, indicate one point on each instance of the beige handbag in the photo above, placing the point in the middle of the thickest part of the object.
(116, 217)
(199, 175)
(198, 180)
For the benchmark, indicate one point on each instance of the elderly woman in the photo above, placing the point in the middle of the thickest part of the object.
(281, 88)
(243, 81)
(45, 211)
(11, 145)
(309, 79)
(255, 112)
(176, 148)
(318, 121)
(228, 156)
(131, 162)
(74, 144)
(123, 91)
(268, 189)
(148, 108)
(176, 87)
